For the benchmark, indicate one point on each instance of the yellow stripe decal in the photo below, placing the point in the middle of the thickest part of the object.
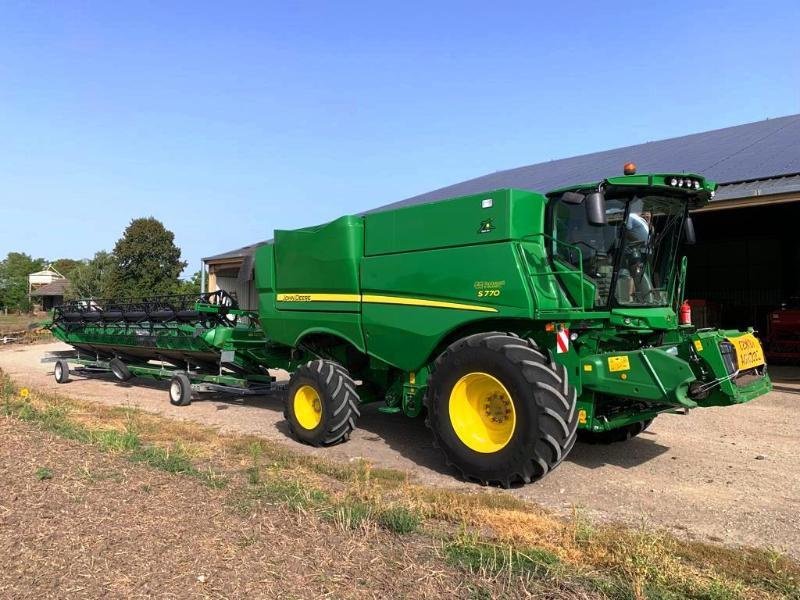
(301, 297)
(421, 302)
(372, 299)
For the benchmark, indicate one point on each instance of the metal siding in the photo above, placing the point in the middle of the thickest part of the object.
(245, 291)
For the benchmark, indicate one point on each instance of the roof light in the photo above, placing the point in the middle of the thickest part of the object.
(629, 169)
(696, 184)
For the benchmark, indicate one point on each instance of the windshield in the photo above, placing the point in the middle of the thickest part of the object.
(633, 254)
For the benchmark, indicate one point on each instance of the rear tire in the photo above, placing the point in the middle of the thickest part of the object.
(500, 410)
(119, 369)
(61, 371)
(621, 434)
(321, 403)
(180, 390)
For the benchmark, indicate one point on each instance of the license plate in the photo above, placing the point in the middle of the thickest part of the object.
(748, 351)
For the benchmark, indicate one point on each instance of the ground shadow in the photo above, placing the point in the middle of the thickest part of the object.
(410, 438)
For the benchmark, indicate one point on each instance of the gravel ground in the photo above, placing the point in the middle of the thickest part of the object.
(721, 474)
(77, 523)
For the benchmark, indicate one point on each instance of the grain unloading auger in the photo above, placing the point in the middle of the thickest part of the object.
(512, 320)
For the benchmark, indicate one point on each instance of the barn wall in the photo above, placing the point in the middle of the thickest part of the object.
(245, 291)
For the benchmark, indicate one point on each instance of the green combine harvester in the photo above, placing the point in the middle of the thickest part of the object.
(515, 322)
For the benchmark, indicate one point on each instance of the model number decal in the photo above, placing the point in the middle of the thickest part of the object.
(488, 293)
(619, 363)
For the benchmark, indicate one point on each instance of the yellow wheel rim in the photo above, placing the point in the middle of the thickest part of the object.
(482, 412)
(307, 407)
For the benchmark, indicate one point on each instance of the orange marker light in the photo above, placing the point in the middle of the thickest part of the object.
(629, 169)
(549, 327)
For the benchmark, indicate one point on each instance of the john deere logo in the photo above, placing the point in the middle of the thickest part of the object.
(486, 226)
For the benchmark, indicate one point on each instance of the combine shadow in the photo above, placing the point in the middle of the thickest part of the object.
(627, 455)
(410, 438)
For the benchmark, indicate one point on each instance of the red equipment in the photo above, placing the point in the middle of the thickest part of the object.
(685, 314)
(783, 339)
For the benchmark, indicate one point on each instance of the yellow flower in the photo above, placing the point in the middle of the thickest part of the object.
(24, 393)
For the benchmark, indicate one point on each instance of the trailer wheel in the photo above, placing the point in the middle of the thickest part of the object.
(321, 403)
(119, 369)
(621, 434)
(501, 411)
(180, 390)
(61, 371)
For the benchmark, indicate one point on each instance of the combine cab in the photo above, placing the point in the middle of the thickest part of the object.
(513, 321)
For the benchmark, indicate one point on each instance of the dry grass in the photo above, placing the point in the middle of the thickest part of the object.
(502, 541)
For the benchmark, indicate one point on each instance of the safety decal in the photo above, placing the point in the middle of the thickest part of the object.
(562, 341)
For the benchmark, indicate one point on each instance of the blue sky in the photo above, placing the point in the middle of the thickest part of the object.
(229, 120)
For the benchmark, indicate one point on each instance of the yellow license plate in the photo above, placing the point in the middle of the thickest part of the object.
(748, 351)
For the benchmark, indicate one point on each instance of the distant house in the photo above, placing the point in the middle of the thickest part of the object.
(47, 287)
(50, 294)
(42, 278)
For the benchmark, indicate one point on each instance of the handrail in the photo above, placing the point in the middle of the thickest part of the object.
(578, 271)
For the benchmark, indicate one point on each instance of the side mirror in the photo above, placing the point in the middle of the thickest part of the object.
(689, 235)
(596, 208)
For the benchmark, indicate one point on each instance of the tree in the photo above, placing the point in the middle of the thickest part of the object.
(65, 266)
(91, 278)
(189, 287)
(14, 271)
(147, 261)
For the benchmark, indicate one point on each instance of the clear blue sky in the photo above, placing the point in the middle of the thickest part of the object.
(227, 120)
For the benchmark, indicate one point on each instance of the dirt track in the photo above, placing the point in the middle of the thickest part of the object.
(724, 474)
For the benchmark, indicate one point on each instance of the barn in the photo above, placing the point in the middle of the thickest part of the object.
(747, 259)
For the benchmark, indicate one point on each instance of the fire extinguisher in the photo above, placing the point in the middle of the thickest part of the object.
(685, 314)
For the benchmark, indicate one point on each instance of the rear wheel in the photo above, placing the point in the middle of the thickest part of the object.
(180, 390)
(501, 411)
(321, 403)
(621, 434)
(119, 369)
(61, 371)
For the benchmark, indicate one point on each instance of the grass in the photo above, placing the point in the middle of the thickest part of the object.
(43, 473)
(488, 532)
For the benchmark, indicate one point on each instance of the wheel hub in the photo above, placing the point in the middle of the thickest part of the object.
(482, 412)
(497, 407)
(307, 407)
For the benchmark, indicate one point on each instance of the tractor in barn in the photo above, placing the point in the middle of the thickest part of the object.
(514, 322)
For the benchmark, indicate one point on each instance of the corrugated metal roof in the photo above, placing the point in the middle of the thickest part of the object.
(760, 150)
(238, 253)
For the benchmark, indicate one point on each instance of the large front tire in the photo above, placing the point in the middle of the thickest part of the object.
(321, 403)
(501, 411)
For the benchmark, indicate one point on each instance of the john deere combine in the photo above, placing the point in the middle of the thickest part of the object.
(514, 321)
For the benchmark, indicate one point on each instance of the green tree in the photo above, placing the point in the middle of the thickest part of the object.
(189, 286)
(147, 261)
(14, 271)
(91, 278)
(65, 266)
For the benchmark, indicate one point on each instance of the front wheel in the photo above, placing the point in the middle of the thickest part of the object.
(501, 411)
(180, 390)
(61, 371)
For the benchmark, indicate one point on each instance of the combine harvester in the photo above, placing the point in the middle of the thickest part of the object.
(514, 321)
